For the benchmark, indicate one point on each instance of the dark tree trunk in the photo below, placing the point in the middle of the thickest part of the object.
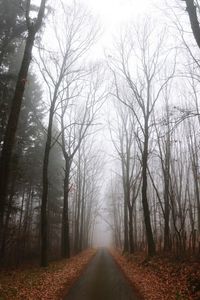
(44, 225)
(135, 227)
(131, 240)
(147, 221)
(126, 246)
(7, 217)
(167, 244)
(27, 220)
(81, 237)
(65, 240)
(192, 12)
(126, 191)
(21, 213)
(78, 211)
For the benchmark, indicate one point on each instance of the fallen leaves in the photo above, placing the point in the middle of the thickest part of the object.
(161, 278)
(42, 284)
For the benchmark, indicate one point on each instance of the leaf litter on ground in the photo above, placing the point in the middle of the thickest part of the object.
(37, 283)
(161, 278)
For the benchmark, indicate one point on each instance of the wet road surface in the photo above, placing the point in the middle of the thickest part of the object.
(102, 280)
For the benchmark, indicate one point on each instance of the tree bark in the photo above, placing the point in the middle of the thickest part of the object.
(7, 217)
(65, 240)
(167, 244)
(131, 240)
(126, 246)
(44, 225)
(82, 225)
(147, 221)
(192, 12)
(78, 208)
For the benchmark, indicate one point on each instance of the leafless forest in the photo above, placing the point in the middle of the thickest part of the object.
(113, 136)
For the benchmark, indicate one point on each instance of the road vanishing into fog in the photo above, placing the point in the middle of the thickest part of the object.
(102, 280)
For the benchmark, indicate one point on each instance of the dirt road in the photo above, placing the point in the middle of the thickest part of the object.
(102, 280)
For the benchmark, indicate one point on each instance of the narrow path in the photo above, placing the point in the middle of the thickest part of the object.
(102, 280)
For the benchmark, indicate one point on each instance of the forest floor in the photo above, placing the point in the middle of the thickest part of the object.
(35, 283)
(161, 278)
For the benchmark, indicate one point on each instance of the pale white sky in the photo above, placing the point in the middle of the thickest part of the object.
(113, 14)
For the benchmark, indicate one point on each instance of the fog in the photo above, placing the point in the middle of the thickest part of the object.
(99, 126)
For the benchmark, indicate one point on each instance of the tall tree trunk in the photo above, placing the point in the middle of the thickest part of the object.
(126, 246)
(78, 208)
(7, 217)
(135, 226)
(167, 244)
(44, 225)
(147, 221)
(126, 240)
(26, 221)
(81, 236)
(65, 240)
(192, 12)
(131, 240)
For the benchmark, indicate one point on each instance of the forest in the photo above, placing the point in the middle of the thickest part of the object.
(97, 130)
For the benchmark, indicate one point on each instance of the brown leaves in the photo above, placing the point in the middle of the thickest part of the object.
(49, 283)
(161, 278)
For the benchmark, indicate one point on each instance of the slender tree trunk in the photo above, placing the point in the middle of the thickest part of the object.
(7, 217)
(196, 186)
(135, 227)
(26, 221)
(78, 210)
(131, 240)
(44, 225)
(167, 244)
(65, 240)
(126, 246)
(21, 214)
(81, 237)
(147, 221)
(126, 241)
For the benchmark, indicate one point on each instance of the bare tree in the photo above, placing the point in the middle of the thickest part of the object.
(63, 67)
(116, 210)
(163, 135)
(76, 119)
(125, 145)
(144, 91)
